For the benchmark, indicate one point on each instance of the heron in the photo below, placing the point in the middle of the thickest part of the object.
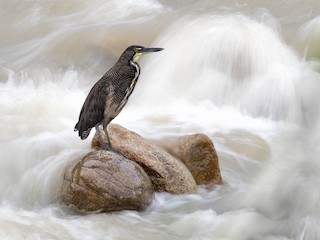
(110, 94)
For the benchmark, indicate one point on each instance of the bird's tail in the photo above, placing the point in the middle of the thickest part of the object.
(83, 135)
(76, 127)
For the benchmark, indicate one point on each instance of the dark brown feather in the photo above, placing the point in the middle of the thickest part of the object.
(92, 109)
(105, 97)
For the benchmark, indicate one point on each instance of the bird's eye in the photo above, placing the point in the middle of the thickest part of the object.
(138, 49)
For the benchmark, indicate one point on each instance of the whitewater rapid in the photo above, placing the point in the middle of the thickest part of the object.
(244, 74)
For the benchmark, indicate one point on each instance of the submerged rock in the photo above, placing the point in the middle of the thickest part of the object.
(106, 181)
(165, 171)
(198, 153)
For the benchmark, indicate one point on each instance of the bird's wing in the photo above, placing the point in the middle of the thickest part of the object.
(92, 109)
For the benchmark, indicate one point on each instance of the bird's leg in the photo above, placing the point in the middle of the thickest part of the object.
(103, 145)
(107, 135)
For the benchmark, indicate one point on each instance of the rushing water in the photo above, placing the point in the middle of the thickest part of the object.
(244, 73)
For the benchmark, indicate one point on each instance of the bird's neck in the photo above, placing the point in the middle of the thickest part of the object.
(137, 72)
(136, 65)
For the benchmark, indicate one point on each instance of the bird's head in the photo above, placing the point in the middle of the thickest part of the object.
(133, 53)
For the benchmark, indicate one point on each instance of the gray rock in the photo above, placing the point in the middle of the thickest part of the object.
(106, 181)
(198, 153)
(165, 171)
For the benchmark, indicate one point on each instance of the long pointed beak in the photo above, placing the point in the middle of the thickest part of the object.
(149, 50)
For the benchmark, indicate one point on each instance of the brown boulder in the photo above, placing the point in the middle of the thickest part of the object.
(106, 181)
(198, 153)
(166, 172)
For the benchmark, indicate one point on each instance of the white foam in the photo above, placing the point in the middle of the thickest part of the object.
(230, 60)
(229, 76)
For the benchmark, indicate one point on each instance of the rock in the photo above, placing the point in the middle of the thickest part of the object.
(166, 172)
(198, 153)
(106, 181)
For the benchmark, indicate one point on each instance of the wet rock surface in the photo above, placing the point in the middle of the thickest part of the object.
(165, 171)
(106, 181)
(198, 153)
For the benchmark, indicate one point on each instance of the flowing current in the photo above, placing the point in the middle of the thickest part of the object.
(244, 73)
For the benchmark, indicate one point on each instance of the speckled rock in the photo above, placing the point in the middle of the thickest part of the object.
(106, 181)
(165, 171)
(198, 153)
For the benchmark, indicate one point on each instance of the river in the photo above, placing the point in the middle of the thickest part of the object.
(246, 73)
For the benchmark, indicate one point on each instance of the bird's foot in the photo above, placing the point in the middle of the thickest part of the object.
(105, 147)
(110, 149)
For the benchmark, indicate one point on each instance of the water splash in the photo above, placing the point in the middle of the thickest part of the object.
(309, 37)
(231, 60)
(227, 75)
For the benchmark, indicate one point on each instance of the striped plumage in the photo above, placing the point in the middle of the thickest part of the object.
(109, 95)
